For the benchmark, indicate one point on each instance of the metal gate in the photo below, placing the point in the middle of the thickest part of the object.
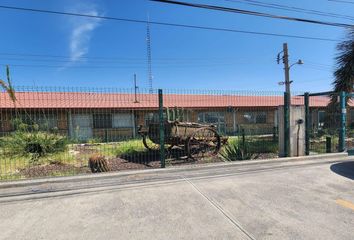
(326, 122)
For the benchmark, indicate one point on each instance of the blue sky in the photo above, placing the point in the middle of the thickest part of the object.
(100, 53)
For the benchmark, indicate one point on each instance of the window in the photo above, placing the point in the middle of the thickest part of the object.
(102, 120)
(45, 121)
(215, 118)
(255, 117)
(122, 120)
(151, 118)
(321, 118)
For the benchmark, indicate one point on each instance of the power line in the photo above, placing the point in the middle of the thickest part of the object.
(118, 66)
(167, 65)
(254, 13)
(169, 24)
(84, 59)
(292, 9)
(137, 62)
(341, 1)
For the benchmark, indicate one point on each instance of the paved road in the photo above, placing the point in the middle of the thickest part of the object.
(268, 200)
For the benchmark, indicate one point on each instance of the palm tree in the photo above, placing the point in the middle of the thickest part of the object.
(344, 74)
(344, 77)
(7, 86)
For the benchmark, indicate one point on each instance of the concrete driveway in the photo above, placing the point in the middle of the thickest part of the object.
(296, 199)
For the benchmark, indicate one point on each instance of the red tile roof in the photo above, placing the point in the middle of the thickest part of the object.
(76, 100)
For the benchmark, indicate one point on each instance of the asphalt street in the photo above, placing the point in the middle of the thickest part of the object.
(297, 199)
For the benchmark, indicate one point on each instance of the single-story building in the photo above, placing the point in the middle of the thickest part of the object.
(115, 116)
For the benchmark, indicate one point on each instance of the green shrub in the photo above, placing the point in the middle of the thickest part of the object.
(263, 146)
(94, 140)
(36, 144)
(121, 148)
(129, 147)
(237, 151)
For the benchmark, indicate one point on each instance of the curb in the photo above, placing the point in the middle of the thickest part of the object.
(102, 176)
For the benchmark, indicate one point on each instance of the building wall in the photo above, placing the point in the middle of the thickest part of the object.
(63, 121)
(256, 128)
(112, 134)
(5, 121)
(234, 120)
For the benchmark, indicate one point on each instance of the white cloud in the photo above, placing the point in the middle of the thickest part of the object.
(81, 33)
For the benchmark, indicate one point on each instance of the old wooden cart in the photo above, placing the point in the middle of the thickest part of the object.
(193, 138)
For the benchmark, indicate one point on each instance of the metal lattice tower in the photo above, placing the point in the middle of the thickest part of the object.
(148, 43)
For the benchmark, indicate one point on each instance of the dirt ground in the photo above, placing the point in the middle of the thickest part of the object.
(145, 160)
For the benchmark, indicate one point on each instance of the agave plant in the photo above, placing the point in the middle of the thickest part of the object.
(237, 151)
(7, 86)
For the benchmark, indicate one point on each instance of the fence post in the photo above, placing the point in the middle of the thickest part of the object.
(307, 124)
(243, 137)
(162, 130)
(168, 114)
(286, 125)
(343, 117)
(328, 144)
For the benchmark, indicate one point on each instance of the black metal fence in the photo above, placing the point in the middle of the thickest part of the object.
(50, 131)
(326, 126)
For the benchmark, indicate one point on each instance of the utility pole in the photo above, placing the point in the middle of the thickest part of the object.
(287, 71)
(287, 68)
(287, 95)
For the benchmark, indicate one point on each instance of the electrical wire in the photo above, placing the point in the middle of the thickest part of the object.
(118, 66)
(254, 13)
(341, 1)
(167, 24)
(291, 8)
(97, 58)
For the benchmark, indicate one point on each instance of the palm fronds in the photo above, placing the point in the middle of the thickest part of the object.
(344, 78)
(344, 73)
(7, 86)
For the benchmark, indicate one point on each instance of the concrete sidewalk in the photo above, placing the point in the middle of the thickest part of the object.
(264, 200)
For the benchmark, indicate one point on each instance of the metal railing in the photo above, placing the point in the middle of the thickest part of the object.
(63, 131)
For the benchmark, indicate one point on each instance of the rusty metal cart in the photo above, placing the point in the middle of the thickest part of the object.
(194, 138)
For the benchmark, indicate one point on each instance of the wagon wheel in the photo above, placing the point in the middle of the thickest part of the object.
(149, 144)
(204, 141)
(153, 146)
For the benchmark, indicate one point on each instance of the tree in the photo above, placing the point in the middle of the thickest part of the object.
(344, 78)
(344, 74)
(7, 86)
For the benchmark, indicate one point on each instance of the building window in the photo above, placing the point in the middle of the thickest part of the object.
(102, 120)
(122, 120)
(255, 117)
(321, 118)
(45, 121)
(151, 118)
(214, 118)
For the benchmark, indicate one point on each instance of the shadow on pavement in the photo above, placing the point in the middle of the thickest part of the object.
(345, 169)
